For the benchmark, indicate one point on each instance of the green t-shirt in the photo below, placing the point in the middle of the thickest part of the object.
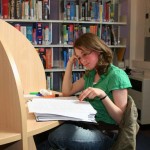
(114, 79)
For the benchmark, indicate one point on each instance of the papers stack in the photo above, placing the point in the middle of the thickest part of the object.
(61, 108)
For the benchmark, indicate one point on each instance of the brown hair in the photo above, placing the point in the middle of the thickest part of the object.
(90, 42)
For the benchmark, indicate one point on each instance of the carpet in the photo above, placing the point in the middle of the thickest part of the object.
(142, 142)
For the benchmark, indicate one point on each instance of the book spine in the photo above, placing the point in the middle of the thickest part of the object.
(45, 10)
(39, 33)
(48, 58)
(68, 11)
(26, 10)
(70, 34)
(65, 10)
(46, 35)
(72, 10)
(5, 11)
(18, 26)
(23, 30)
(49, 82)
(39, 10)
(18, 9)
(65, 34)
(77, 13)
(29, 33)
(65, 57)
(100, 12)
(41, 52)
(12, 9)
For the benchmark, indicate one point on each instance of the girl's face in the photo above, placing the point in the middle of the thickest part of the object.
(88, 60)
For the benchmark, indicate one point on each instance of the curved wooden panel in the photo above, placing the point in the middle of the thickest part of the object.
(12, 110)
(29, 65)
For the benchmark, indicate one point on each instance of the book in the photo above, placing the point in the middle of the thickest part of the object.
(5, 10)
(23, 30)
(26, 9)
(61, 108)
(42, 54)
(70, 34)
(29, 33)
(39, 10)
(72, 10)
(38, 33)
(45, 9)
(48, 58)
(12, 9)
(18, 9)
(48, 82)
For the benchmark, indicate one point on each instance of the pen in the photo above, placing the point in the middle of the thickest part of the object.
(34, 93)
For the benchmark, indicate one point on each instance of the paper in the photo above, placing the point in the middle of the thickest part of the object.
(62, 108)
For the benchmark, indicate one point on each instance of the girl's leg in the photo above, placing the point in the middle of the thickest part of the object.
(78, 136)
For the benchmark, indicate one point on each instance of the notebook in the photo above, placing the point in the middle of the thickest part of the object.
(61, 108)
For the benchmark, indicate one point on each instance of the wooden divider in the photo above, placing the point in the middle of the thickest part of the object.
(21, 72)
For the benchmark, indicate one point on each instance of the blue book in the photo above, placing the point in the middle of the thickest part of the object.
(29, 33)
(70, 34)
(65, 55)
(39, 35)
(72, 10)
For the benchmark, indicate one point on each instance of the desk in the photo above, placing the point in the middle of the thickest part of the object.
(34, 127)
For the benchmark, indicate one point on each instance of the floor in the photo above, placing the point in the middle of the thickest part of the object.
(143, 138)
(145, 129)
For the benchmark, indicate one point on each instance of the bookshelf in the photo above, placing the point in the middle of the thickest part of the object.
(70, 15)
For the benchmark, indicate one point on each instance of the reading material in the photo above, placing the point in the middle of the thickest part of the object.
(61, 108)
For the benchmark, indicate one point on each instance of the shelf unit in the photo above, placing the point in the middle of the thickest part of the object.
(55, 22)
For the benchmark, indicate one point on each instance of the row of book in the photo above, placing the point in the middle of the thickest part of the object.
(37, 33)
(95, 10)
(87, 10)
(25, 9)
(108, 33)
(50, 78)
(41, 34)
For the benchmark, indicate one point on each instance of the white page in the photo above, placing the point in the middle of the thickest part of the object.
(59, 106)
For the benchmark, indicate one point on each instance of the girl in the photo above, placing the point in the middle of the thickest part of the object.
(103, 85)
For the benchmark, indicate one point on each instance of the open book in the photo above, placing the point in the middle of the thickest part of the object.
(61, 108)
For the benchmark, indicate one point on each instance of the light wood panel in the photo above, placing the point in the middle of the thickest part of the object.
(21, 72)
(29, 65)
(11, 100)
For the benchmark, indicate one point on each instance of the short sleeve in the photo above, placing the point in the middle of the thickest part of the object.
(118, 80)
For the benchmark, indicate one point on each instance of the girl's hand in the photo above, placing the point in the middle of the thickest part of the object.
(72, 59)
(91, 93)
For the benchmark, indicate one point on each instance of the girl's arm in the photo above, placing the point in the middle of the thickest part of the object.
(69, 88)
(116, 108)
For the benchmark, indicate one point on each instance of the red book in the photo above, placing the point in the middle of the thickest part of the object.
(48, 58)
(5, 11)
